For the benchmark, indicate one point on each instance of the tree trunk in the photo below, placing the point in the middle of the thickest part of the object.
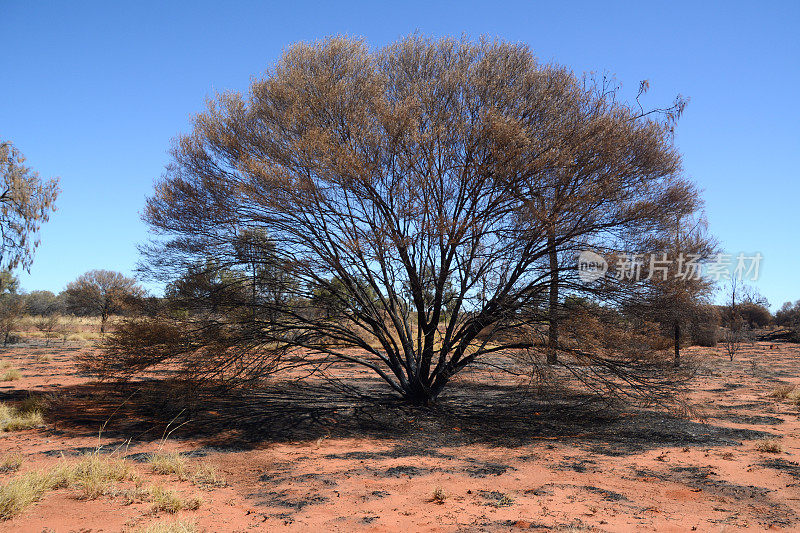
(677, 344)
(552, 334)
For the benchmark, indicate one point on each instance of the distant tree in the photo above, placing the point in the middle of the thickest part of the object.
(44, 303)
(743, 303)
(102, 293)
(9, 283)
(11, 304)
(26, 202)
(333, 298)
(207, 288)
(271, 283)
(415, 186)
(788, 315)
(755, 315)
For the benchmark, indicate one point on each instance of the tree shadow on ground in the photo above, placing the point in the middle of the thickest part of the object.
(293, 411)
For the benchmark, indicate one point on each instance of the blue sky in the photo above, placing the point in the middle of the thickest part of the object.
(93, 92)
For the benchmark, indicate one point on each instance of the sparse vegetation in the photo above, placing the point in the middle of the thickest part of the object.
(19, 493)
(10, 462)
(93, 476)
(769, 446)
(782, 392)
(169, 501)
(370, 289)
(438, 496)
(12, 374)
(14, 419)
(794, 396)
(169, 463)
(207, 476)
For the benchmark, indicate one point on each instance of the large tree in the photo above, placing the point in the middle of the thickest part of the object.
(26, 201)
(424, 187)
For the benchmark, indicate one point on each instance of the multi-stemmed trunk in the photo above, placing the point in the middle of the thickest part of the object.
(552, 334)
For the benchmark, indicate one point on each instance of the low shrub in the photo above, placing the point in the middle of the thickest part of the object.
(769, 446)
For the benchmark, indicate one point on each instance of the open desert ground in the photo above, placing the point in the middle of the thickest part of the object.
(493, 456)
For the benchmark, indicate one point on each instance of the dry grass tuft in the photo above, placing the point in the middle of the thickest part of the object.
(769, 446)
(13, 419)
(96, 475)
(33, 403)
(12, 374)
(438, 496)
(169, 463)
(21, 492)
(93, 476)
(794, 396)
(135, 494)
(171, 502)
(207, 476)
(11, 462)
(781, 392)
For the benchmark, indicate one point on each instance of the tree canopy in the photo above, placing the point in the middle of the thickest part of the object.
(26, 202)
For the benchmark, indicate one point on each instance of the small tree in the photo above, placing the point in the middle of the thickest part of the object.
(674, 291)
(50, 326)
(26, 202)
(11, 304)
(733, 320)
(101, 293)
(742, 300)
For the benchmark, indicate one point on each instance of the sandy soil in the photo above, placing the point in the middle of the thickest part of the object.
(306, 457)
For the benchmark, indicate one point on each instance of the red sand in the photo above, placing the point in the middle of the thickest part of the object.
(345, 483)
